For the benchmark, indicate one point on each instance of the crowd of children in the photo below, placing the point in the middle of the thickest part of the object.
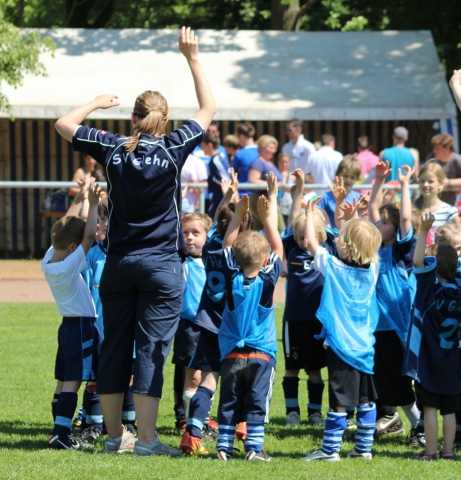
(372, 294)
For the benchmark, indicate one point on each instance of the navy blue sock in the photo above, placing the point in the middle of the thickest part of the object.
(65, 409)
(350, 410)
(290, 391)
(128, 411)
(54, 403)
(92, 407)
(178, 388)
(314, 394)
(198, 412)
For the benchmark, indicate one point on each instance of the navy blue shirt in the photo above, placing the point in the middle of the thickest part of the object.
(304, 284)
(431, 355)
(144, 186)
(219, 170)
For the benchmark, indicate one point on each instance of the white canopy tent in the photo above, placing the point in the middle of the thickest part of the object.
(254, 75)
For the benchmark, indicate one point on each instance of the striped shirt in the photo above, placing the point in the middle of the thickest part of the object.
(446, 214)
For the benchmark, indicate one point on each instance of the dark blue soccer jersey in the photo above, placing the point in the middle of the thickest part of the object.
(213, 298)
(431, 355)
(304, 283)
(144, 186)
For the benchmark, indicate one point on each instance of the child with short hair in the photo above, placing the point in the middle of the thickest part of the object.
(247, 337)
(432, 358)
(78, 336)
(195, 227)
(348, 314)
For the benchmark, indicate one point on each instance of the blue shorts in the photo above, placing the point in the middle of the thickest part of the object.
(207, 356)
(141, 297)
(247, 379)
(185, 342)
(78, 349)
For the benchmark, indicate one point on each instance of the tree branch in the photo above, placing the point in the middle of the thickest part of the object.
(301, 12)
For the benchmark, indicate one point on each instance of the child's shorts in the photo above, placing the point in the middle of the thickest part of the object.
(78, 349)
(185, 342)
(347, 385)
(301, 349)
(207, 356)
(445, 403)
(247, 378)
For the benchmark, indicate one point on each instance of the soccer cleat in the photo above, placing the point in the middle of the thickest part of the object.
(192, 445)
(78, 420)
(241, 431)
(209, 433)
(59, 442)
(293, 419)
(141, 449)
(423, 456)
(133, 429)
(390, 425)
(261, 456)
(351, 425)
(321, 455)
(212, 424)
(180, 425)
(125, 444)
(416, 439)
(354, 454)
(224, 456)
(91, 434)
(316, 418)
(446, 456)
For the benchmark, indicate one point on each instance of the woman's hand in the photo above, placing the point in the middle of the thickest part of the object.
(188, 43)
(107, 101)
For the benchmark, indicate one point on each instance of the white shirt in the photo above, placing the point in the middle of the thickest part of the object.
(194, 170)
(299, 153)
(69, 290)
(323, 165)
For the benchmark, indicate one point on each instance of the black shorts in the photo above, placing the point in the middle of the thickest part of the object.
(348, 386)
(394, 389)
(78, 350)
(185, 342)
(301, 349)
(207, 356)
(445, 403)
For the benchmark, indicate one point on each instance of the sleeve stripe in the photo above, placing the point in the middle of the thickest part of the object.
(93, 141)
(231, 264)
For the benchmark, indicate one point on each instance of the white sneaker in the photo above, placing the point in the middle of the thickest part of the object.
(142, 449)
(126, 444)
(293, 419)
(321, 455)
(316, 419)
(354, 454)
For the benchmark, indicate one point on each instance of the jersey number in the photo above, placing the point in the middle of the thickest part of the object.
(216, 285)
(453, 324)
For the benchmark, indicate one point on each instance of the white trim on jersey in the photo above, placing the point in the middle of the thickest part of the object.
(230, 260)
(287, 338)
(272, 259)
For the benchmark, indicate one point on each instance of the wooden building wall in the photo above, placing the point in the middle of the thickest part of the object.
(32, 150)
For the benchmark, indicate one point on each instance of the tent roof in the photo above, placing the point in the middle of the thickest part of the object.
(254, 75)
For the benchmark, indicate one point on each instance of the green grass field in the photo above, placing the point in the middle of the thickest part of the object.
(28, 345)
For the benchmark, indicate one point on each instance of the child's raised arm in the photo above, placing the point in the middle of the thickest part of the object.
(382, 172)
(233, 229)
(188, 45)
(297, 197)
(272, 195)
(310, 237)
(229, 189)
(82, 196)
(405, 203)
(455, 84)
(266, 213)
(339, 192)
(418, 256)
(91, 222)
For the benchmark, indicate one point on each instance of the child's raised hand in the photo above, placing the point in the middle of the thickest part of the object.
(299, 177)
(311, 204)
(348, 210)
(107, 100)
(234, 183)
(243, 206)
(338, 190)
(272, 185)
(455, 78)
(188, 43)
(363, 202)
(263, 208)
(93, 194)
(406, 176)
(382, 170)
(427, 219)
(225, 184)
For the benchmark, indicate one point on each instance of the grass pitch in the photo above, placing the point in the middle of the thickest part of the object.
(28, 346)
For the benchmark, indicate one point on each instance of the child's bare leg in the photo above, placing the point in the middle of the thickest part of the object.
(431, 430)
(193, 379)
(449, 432)
(59, 386)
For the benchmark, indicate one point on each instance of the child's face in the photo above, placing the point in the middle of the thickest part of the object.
(300, 236)
(429, 185)
(349, 181)
(231, 151)
(207, 148)
(195, 236)
(283, 164)
(103, 223)
(387, 229)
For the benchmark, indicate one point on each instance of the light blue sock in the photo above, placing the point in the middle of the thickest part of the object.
(366, 419)
(255, 436)
(333, 435)
(226, 438)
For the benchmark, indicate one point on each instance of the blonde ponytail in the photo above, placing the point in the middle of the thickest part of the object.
(151, 110)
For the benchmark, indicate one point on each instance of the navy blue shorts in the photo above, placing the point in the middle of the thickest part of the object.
(141, 298)
(247, 379)
(185, 342)
(78, 350)
(207, 356)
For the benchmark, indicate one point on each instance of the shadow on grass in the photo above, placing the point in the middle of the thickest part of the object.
(25, 430)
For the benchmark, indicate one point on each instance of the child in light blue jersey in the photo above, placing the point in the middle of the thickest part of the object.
(247, 337)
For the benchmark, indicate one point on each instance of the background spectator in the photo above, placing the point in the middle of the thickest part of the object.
(194, 170)
(365, 156)
(298, 147)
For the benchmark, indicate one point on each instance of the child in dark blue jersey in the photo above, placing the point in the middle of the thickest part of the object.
(348, 314)
(300, 325)
(432, 357)
(395, 293)
(195, 227)
(247, 337)
(207, 357)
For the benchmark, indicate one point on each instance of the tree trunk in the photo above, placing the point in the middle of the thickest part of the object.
(288, 17)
